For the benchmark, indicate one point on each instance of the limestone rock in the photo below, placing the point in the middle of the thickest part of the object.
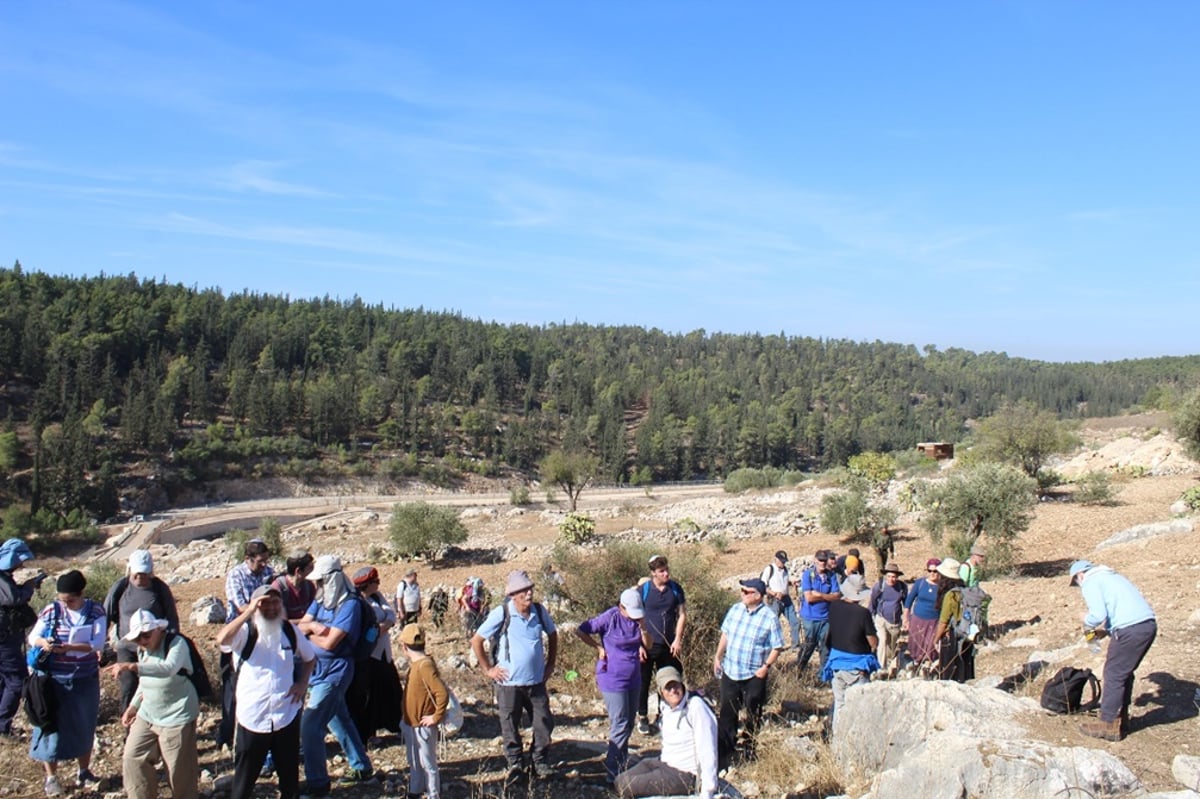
(1180, 508)
(1141, 532)
(208, 610)
(941, 739)
(1186, 770)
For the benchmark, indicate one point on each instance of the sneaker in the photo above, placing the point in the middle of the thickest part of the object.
(355, 777)
(544, 771)
(52, 786)
(85, 778)
(643, 725)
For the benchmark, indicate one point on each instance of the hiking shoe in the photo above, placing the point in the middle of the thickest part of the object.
(544, 771)
(309, 792)
(52, 786)
(643, 725)
(355, 777)
(85, 778)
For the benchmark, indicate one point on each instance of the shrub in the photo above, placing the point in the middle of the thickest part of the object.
(740, 480)
(876, 468)
(592, 581)
(519, 495)
(419, 528)
(1192, 497)
(577, 528)
(719, 543)
(1048, 478)
(1094, 488)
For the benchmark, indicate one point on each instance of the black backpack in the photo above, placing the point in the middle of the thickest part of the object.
(368, 629)
(198, 674)
(1064, 691)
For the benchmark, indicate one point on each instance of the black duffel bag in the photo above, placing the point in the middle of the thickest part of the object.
(41, 705)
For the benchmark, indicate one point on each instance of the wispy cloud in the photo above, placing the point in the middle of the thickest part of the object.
(255, 176)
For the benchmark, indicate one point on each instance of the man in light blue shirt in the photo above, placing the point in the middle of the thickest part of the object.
(1115, 608)
(518, 665)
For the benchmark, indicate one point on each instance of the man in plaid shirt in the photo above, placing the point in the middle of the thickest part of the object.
(751, 641)
(243, 578)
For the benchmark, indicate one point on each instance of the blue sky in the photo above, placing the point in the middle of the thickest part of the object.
(1017, 176)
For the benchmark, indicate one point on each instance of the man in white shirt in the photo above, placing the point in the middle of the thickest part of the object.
(779, 593)
(408, 599)
(689, 746)
(272, 662)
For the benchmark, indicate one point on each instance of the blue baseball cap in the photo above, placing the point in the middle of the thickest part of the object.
(1078, 567)
(754, 584)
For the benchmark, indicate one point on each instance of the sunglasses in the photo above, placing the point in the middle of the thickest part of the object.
(673, 687)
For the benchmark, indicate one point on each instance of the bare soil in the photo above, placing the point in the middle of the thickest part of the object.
(1033, 610)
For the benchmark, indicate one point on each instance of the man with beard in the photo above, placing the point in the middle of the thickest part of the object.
(333, 625)
(273, 664)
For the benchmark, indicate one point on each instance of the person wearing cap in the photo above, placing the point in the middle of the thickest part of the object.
(956, 655)
(161, 718)
(1117, 608)
(426, 698)
(751, 642)
(408, 598)
(921, 610)
(852, 642)
(518, 665)
(16, 616)
(254, 570)
(620, 650)
(72, 629)
(779, 593)
(332, 624)
(818, 587)
(374, 694)
(294, 586)
(273, 672)
(138, 590)
(886, 605)
(687, 765)
(665, 606)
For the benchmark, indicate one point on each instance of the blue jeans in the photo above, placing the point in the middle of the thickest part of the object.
(816, 636)
(326, 708)
(622, 706)
(788, 611)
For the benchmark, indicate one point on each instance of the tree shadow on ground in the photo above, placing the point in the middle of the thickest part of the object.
(456, 557)
(1009, 625)
(1023, 676)
(1175, 699)
(1045, 568)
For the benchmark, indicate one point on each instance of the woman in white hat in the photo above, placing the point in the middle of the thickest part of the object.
(956, 655)
(620, 652)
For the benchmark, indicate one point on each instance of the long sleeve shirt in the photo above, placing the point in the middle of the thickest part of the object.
(425, 694)
(1113, 601)
(689, 741)
(165, 697)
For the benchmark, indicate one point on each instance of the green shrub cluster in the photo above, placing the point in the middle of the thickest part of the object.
(419, 528)
(1192, 497)
(1094, 488)
(740, 480)
(592, 581)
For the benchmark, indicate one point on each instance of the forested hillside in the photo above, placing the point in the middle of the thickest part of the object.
(110, 382)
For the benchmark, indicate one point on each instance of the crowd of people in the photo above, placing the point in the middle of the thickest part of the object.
(308, 653)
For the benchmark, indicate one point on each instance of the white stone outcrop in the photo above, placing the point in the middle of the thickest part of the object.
(943, 739)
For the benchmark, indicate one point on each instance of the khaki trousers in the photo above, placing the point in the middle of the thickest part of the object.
(177, 745)
(889, 643)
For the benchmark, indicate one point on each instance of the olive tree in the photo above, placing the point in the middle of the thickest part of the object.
(1187, 424)
(849, 513)
(991, 500)
(1023, 435)
(570, 471)
(419, 528)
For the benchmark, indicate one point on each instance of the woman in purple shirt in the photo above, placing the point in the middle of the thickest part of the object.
(619, 655)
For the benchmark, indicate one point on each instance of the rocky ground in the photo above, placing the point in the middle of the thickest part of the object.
(1035, 614)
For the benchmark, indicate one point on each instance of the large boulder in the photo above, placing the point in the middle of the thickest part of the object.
(943, 739)
(208, 610)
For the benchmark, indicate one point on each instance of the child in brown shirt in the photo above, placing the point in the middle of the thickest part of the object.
(425, 701)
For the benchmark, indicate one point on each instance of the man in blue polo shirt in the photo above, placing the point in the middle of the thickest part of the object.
(818, 587)
(518, 665)
(332, 625)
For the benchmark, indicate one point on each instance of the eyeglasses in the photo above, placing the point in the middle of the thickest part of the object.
(672, 687)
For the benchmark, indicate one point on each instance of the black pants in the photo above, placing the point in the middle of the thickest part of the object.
(228, 687)
(652, 777)
(374, 698)
(752, 694)
(512, 700)
(956, 659)
(657, 657)
(12, 678)
(128, 680)
(250, 752)
(1126, 648)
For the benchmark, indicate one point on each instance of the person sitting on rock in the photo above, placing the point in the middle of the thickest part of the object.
(687, 765)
